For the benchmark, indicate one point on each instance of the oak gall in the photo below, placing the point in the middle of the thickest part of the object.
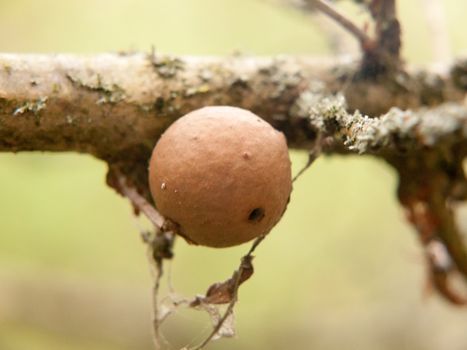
(222, 174)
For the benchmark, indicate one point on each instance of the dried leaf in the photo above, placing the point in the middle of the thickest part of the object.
(224, 292)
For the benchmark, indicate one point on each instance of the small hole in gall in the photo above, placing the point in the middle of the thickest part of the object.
(256, 215)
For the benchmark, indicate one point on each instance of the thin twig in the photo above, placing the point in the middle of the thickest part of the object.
(159, 247)
(140, 202)
(313, 154)
(311, 159)
(231, 305)
(157, 272)
(339, 44)
(352, 28)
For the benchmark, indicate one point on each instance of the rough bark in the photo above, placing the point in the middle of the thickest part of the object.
(116, 106)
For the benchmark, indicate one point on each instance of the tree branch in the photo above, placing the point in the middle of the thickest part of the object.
(115, 106)
(388, 31)
(394, 134)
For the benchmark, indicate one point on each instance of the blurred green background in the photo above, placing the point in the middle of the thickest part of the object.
(341, 270)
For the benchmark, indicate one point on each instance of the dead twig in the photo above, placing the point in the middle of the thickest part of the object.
(329, 10)
(381, 51)
(138, 201)
(156, 272)
(159, 247)
(313, 154)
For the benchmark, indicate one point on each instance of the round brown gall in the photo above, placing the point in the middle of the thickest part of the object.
(222, 174)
